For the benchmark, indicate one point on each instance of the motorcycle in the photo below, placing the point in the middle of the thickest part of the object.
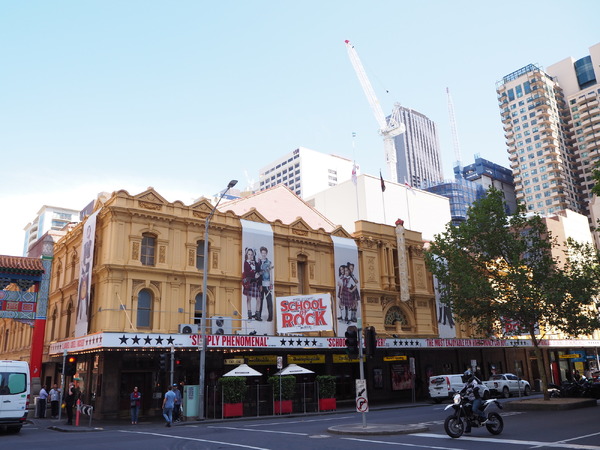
(463, 417)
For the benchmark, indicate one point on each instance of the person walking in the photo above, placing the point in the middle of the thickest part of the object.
(54, 400)
(70, 399)
(43, 397)
(135, 399)
(168, 405)
(177, 406)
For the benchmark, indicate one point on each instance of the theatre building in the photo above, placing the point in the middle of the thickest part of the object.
(283, 283)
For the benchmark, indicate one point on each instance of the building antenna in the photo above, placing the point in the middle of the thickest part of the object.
(455, 142)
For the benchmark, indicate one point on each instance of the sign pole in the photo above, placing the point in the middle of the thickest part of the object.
(362, 371)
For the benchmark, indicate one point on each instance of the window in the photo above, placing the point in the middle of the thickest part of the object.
(200, 255)
(198, 310)
(144, 308)
(148, 249)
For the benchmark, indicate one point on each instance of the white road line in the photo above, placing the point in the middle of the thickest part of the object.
(512, 441)
(262, 424)
(577, 438)
(402, 444)
(195, 439)
(259, 431)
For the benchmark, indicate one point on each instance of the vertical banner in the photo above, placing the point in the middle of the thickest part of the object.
(257, 278)
(347, 293)
(85, 275)
(446, 326)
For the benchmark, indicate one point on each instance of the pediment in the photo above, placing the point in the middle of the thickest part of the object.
(341, 232)
(150, 195)
(254, 216)
(202, 205)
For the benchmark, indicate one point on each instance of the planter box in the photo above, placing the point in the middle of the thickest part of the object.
(327, 404)
(233, 409)
(282, 407)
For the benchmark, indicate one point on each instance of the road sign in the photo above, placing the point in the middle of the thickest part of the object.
(362, 402)
(280, 362)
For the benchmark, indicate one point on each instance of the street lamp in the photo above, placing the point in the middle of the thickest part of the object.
(231, 184)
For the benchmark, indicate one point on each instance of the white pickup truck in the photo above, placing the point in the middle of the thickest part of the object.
(507, 384)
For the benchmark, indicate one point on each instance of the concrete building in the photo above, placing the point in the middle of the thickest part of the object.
(418, 150)
(47, 218)
(551, 122)
(305, 172)
(346, 203)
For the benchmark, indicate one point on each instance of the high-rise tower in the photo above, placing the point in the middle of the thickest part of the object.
(418, 150)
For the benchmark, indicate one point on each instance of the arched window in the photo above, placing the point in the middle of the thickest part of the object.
(53, 326)
(69, 314)
(198, 309)
(148, 249)
(144, 308)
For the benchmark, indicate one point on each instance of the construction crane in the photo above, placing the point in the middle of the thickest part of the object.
(390, 128)
(455, 142)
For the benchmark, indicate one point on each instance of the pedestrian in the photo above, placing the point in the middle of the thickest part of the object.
(177, 406)
(54, 400)
(70, 399)
(135, 399)
(168, 405)
(43, 396)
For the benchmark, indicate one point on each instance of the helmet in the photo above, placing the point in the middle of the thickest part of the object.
(466, 377)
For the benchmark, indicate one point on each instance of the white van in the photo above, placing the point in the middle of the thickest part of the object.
(442, 387)
(14, 394)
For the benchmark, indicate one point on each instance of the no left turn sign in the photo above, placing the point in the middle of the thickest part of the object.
(362, 404)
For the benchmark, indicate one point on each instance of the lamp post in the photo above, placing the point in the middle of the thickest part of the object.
(231, 184)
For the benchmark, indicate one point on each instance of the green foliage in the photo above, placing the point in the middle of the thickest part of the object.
(234, 389)
(326, 386)
(288, 386)
(494, 269)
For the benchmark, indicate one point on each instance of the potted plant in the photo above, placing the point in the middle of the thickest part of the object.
(327, 387)
(234, 391)
(288, 390)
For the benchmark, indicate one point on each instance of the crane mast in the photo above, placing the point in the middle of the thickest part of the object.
(455, 142)
(387, 128)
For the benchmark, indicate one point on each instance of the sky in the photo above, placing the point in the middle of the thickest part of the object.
(183, 96)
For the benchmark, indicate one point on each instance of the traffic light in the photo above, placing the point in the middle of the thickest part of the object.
(71, 366)
(370, 341)
(352, 342)
(164, 361)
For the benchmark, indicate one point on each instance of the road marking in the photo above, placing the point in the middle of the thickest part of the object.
(259, 431)
(559, 444)
(194, 439)
(578, 437)
(262, 424)
(402, 444)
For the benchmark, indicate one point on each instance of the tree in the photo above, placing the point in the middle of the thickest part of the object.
(495, 271)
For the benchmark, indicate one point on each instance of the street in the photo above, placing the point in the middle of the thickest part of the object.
(574, 429)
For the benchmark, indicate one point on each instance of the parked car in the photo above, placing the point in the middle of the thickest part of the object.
(443, 387)
(507, 384)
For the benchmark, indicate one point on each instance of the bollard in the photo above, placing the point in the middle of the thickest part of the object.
(77, 413)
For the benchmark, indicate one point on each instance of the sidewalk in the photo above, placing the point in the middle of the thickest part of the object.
(101, 425)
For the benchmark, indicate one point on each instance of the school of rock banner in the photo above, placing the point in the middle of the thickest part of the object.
(257, 278)
(347, 309)
(85, 275)
(304, 313)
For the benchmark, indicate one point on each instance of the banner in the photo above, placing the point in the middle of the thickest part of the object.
(347, 295)
(85, 275)
(304, 313)
(257, 278)
(446, 325)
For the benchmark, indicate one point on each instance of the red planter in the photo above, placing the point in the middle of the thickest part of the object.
(233, 409)
(282, 407)
(327, 404)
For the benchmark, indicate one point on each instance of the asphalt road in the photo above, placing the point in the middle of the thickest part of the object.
(574, 429)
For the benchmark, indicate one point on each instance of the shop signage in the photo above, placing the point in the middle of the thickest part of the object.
(570, 356)
(261, 360)
(233, 361)
(343, 359)
(395, 358)
(306, 359)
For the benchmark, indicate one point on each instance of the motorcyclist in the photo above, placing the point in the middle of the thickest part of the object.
(472, 392)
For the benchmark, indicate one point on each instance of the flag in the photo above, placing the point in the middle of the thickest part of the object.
(354, 179)
(382, 182)
(407, 185)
